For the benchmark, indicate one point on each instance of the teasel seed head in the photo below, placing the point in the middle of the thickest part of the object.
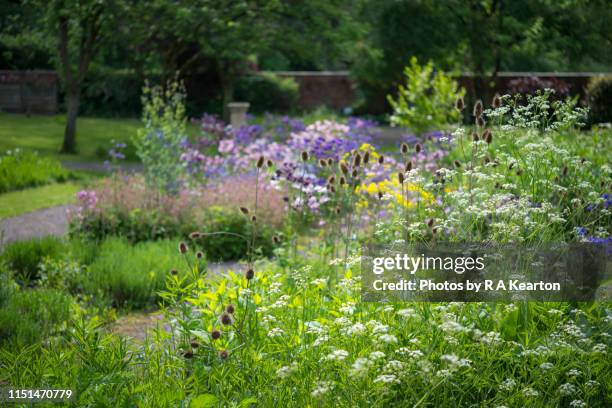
(305, 156)
(173, 272)
(322, 163)
(253, 218)
(497, 185)
(565, 171)
(381, 159)
(404, 148)
(478, 108)
(330, 162)
(286, 199)
(430, 222)
(249, 274)
(331, 179)
(400, 177)
(195, 235)
(496, 103)
(276, 239)
(332, 189)
(480, 122)
(194, 344)
(270, 163)
(459, 103)
(244, 210)
(457, 163)
(354, 173)
(418, 148)
(338, 211)
(188, 354)
(260, 162)
(215, 334)
(223, 354)
(230, 309)
(488, 136)
(199, 254)
(487, 160)
(225, 319)
(519, 172)
(357, 160)
(344, 168)
(366, 158)
(408, 166)
(380, 195)
(475, 136)
(342, 180)
(183, 248)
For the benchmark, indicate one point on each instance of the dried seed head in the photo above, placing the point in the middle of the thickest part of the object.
(188, 354)
(460, 103)
(565, 171)
(408, 166)
(366, 158)
(194, 344)
(480, 122)
(215, 334)
(519, 172)
(354, 173)
(183, 248)
(230, 309)
(286, 199)
(173, 272)
(475, 136)
(357, 160)
(331, 179)
(195, 235)
(223, 354)
(276, 239)
(322, 163)
(330, 162)
(404, 148)
(487, 136)
(270, 163)
(244, 210)
(260, 162)
(487, 160)
(457, 163)
(478, 108)
(249, 274)
(253, 218)
(338, 211)
(305, 155)
(496, 103)
(400, 177)
(332, 189)
(199, 254)
(344, 168)
(381, 159)
(342, 180)
(225, 319)
(418, 148)
(430, 222)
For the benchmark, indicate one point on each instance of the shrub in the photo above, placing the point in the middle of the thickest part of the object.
(599, 94)
(24, 257)
(130, 275)
(427, 101)
(31, 315)
(267, 92)
(20, 169)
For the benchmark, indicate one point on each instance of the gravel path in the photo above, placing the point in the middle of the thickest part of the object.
(40, 223)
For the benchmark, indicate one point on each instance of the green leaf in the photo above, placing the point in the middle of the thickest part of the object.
(204, 401)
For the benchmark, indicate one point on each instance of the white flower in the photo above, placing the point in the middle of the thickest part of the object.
(286, 371)
(578, 404)
(322, 388)
(406, 313)
(546, 366)
(393, 366)
(388, 338)
(357, 328)
(375, 355)
(336, 355)
(573, 373)
(276, 332)
(567, 389)
(599, 348)
(591, 384)
(507, 385)
(530, 392)
(320, 340)
(360, 367)
(410, 353)
(387, 379)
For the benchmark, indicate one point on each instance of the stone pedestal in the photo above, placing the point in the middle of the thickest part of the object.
(238, 112)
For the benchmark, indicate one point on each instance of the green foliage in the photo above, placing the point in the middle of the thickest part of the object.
(29, 316)
(31, 199)
(158, 144)
(20, 169)
(599, 94)
(23, 257)
(427, 100)
(267, 92)
(130, 275)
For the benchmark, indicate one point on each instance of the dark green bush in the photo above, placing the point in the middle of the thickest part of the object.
(20, 169)
(29, 316)
(599, 93)
(23, 257)
(111, 93)
(267, 92)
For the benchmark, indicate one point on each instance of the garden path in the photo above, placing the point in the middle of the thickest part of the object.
(35, 224)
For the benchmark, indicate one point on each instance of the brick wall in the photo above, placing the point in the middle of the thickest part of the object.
(28, 91)
(333, 89)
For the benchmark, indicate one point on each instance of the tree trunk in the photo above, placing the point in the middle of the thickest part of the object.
(73, 100)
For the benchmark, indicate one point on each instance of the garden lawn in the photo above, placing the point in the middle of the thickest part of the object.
(20, 202)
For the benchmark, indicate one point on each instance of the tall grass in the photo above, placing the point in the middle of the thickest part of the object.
(19, 169)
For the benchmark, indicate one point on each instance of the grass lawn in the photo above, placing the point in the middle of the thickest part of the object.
(45, 133)
(31, 199)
